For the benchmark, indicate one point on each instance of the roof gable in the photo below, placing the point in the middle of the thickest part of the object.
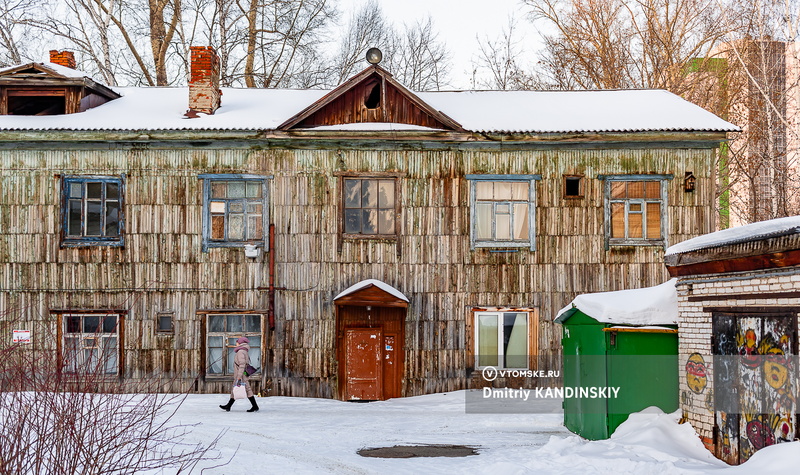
(32, 70)
(370, 96)
(371, 292)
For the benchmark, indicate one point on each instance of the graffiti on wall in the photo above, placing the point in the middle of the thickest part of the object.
(755, 405)
(766, 389)
(696, 373)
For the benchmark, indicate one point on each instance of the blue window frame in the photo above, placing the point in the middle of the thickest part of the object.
(503, 211)
(92, 211)
(235, 210)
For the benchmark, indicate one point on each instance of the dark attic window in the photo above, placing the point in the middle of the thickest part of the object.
(36, 105)
(573, 186)
(373, 100)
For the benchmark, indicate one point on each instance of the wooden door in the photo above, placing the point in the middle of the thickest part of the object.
(389, 323)
(392, 364)
(363, 364)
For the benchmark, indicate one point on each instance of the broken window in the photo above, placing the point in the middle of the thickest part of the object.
(635, 210)
(235, 211)
(503, 210)
(370, 206)
(222, 331)
(373, 100)
(90, 343)
(573, 186)
(92, 211)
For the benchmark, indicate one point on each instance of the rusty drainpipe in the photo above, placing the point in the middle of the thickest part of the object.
(271, 314)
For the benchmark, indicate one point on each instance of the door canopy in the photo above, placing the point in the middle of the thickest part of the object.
(371, 292)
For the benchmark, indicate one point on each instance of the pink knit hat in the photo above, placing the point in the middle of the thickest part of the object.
(242, 339)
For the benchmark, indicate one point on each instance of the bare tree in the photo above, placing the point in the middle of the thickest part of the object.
(61, 416)
(607, 44)
(422, 61)
(497, 64)
(414, 54)
(764, 80)
(365, 29)
(16, 31)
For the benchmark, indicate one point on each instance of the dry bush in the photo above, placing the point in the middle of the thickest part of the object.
(88, 422)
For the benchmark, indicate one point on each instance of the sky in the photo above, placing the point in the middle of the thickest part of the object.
(460, 23)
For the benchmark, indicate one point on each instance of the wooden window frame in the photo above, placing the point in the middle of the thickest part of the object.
(581, 185)
(83, 240)
(171, 330)
(397, 207)
(607, 201)
(226, 372)
(529, 243)
(208, 181)
(532, 336)
(119, 332)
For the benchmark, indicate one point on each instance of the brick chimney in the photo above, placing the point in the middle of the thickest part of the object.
(63, 58)
(204, 93)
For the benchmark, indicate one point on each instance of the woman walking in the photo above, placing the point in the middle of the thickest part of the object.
(241, 359)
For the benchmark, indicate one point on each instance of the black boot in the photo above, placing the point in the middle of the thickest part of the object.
(227, 407)
(253, 402)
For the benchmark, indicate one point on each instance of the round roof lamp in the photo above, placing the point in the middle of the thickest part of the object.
(374, 56)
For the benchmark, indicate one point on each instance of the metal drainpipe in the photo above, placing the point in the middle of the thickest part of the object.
(271, 314)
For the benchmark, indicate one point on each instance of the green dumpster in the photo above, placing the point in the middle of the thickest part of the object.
(632, 362)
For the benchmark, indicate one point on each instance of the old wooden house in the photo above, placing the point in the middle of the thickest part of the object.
(738, 303)
(371, 241)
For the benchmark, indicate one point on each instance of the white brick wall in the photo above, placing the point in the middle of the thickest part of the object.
(694, 328)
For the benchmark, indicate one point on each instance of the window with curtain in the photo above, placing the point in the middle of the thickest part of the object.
(502, 210)
(90, 343)
(635, 210)
(222, 331)
(502, 339)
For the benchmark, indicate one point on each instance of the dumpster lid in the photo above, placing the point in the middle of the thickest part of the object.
(656, 305)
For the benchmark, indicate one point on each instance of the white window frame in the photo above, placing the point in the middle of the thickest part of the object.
(499, 313)
(83, 337)
(228, 338)
(529, 243)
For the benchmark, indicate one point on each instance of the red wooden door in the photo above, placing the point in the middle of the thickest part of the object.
(363, 365)
(392, 365)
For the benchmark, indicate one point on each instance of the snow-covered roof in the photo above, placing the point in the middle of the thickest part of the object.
(157, 108)
(656, 305)
(57, 69)
(377, 283)
(747, 233)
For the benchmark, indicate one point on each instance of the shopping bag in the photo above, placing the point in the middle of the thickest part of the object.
(239, 391)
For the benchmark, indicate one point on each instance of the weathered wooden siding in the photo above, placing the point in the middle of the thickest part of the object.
(162, 267)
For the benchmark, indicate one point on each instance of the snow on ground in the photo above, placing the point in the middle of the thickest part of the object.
(305, 436)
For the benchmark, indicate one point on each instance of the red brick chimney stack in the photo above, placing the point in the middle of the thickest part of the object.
(63, 58)
(204, 93)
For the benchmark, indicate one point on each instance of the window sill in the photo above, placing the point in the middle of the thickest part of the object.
(82, 243)
(503, 246)
(371, 237)
(630, 243)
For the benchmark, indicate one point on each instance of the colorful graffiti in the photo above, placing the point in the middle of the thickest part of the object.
(755, 404)
(766, 386)
(696, 374)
